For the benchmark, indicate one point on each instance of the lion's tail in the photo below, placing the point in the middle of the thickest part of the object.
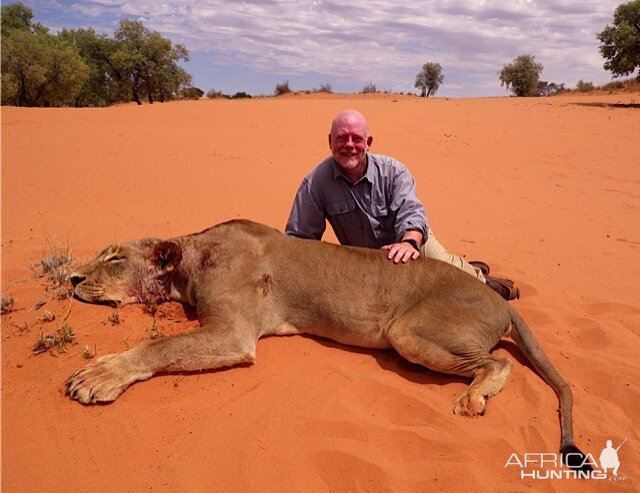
(529, 346)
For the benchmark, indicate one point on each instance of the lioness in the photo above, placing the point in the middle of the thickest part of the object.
(247, 280)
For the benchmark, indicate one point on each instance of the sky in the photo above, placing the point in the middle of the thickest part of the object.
(251, 46)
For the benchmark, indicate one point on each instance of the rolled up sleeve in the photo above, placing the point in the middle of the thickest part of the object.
(411, 214)
(306, 219)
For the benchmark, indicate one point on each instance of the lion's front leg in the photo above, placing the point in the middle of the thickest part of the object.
(105, 379)
(108, 376)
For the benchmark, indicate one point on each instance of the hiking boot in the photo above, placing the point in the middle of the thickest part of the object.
(481, 266)
(504, 287)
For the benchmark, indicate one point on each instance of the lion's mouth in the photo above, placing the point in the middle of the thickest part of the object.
(92, 294)
(111, 303)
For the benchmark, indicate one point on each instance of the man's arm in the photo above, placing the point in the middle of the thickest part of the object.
(411, 219)
(408, 248)
(306, 219)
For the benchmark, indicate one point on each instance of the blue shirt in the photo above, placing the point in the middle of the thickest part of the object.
(374, 211)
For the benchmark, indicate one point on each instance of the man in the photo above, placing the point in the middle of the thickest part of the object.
(370, 201)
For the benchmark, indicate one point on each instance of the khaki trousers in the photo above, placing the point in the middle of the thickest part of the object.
(433, 249)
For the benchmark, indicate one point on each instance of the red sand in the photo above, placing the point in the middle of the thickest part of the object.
(544, 190)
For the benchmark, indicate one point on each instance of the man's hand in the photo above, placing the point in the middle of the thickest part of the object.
(401, 252)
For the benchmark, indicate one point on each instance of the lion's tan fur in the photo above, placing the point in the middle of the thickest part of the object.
(247, 281)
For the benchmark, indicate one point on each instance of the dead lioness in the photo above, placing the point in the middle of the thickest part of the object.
(247, 280)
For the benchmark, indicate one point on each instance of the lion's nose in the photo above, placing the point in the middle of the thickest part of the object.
(76, 278)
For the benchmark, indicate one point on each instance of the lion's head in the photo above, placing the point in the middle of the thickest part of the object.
(136, 272)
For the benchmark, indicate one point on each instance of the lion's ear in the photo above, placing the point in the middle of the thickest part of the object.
(166, 255)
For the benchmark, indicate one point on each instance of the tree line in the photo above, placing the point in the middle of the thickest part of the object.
(619, 45)
(79, 67)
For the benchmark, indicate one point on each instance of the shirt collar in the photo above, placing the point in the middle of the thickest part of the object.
(368, 174)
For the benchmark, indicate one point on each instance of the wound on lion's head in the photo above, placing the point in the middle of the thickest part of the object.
(166, 255)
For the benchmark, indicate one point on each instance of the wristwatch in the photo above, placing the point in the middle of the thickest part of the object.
(413, 243)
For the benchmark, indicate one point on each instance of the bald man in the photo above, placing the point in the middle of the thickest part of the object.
(370, 201)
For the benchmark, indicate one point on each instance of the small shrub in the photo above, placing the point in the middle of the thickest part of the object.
(549, 88)
(48, 316)
(240, 95)
(154, 332)
(583, 86)
(55, 343)
(86, 353)
(282, 88)
(328, 88)
(114, 319)
(369, 88)
(57, 266)
(7, 304)
(192, 93)
(213, 94)
(613, 85)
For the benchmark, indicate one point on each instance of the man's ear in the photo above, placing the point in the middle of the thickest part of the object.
(369, 141)
(166, 255)
(329, 140)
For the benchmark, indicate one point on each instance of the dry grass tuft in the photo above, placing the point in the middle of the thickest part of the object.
(154, 332)
(86, 353)
(114, 319)
(56, 267)
(55, 343)
(7, 304)
(47, 316)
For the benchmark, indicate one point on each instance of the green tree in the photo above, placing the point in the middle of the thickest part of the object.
(521, 76)
(620, 42)
(16, 16)
(429, 79)
(104, 84)
(82, 68)
(40, 70)
(148, 63)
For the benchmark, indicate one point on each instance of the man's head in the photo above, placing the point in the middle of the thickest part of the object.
(349, 141)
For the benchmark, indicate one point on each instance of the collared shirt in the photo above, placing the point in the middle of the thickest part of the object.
(374, 211)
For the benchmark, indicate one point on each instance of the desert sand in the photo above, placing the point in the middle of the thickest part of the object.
(546, 190)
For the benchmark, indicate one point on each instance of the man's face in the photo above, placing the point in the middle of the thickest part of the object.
(349, 143)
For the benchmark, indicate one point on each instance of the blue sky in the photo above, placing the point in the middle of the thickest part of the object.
(252, 45)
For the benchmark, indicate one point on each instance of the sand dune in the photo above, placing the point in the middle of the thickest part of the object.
(546, 190)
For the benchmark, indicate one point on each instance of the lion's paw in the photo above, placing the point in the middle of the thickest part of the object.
(472, 407)
(101, 381)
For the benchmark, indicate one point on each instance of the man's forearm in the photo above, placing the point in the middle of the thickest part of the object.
(414, 235)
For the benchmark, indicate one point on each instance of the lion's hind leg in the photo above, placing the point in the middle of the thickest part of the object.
(487, 382)
(453, 347)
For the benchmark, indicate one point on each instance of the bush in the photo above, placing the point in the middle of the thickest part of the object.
(549, 88)
(192, 93)
(616, 84)
(213, 94)
(282, 88)
(325, 88)
(240, 95)
(583, 86)
(369, 88)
